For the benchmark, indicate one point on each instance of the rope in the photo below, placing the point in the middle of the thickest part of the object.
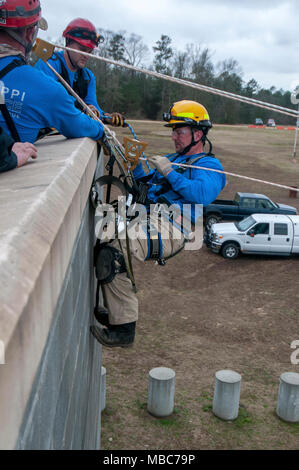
(184, 165)
(226, 94)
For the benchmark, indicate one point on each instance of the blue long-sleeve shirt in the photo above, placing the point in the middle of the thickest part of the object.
(36, 101)
(193, 186)
(55, 62)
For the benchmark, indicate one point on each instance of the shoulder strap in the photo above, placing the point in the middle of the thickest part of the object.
(192, 161)
(81, 86)
(3, 108)
(64, 72)
(12, 65)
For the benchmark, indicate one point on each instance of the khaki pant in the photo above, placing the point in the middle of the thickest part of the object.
(119, 297)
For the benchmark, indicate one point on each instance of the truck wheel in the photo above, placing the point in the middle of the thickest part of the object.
(212, 219)
(230, 251)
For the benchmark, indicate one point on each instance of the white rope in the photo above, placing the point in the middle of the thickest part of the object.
(180, 81)
(280, 109)
(231, 174)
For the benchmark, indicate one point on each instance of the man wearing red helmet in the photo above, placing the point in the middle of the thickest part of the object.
(32, 101)
(81, 35)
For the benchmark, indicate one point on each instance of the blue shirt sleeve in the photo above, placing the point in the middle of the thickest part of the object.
(204, 186)
(42, 67)
(65, 117)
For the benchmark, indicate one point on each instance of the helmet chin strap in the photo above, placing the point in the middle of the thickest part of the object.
(69, 57)
(17, 37)
(195, 142)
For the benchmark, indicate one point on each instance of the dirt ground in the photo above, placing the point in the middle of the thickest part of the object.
(201, 313)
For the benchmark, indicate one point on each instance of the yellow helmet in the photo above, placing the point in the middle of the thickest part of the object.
(185, 112)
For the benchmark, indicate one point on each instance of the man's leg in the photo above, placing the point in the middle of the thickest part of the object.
(120, 299)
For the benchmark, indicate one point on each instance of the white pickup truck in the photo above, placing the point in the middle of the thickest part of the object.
(264, 234)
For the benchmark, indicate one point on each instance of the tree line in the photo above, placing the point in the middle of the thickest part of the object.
(141, 96)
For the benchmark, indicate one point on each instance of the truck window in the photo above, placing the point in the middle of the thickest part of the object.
(248, 202)
(264, 204)
(280, 229)
(262, 228)
(245, 224)
(237, 199)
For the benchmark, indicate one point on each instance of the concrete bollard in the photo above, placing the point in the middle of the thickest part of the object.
(103, 388)
(227, 394)
(288, 397)
(161, 387)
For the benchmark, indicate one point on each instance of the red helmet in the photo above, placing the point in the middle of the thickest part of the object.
(83, 32)
(21, 13)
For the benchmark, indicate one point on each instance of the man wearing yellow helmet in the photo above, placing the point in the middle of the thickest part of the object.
(169, 185)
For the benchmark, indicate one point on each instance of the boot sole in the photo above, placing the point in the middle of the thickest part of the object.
(94, 332)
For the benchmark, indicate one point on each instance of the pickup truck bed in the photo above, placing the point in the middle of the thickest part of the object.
(243, 205)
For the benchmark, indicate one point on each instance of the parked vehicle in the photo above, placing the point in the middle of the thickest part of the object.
(259, 122)
(243, 205)
(271, 123)
(263, 234)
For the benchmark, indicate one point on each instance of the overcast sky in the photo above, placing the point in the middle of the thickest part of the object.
(262, 35)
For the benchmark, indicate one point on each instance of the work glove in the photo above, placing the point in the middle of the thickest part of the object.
(103, 141)
(95, 110)
(115, 119)
(162, 164)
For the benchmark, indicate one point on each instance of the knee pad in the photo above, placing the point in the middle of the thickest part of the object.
(108, 262)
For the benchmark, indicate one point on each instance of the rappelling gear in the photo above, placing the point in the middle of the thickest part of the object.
(83, 32)
(108, 262)
(193, 114)
(15, 14)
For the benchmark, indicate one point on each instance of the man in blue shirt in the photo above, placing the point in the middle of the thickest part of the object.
(81, 35)
(33, 101)
(169, 185)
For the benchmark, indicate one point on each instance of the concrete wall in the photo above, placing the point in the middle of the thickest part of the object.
(50, 383)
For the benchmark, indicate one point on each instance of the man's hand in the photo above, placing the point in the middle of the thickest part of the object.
(24, 151)
(115, 119)
(95, 111)
(162, 164)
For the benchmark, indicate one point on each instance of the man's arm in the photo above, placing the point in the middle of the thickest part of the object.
(56, 109)
(42, 67)
(203, 187)
(12, 154)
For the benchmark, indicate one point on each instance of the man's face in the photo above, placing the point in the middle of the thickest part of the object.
(182, 137)
(78, 60)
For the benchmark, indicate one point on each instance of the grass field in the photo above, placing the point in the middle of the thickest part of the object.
(201, 313)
